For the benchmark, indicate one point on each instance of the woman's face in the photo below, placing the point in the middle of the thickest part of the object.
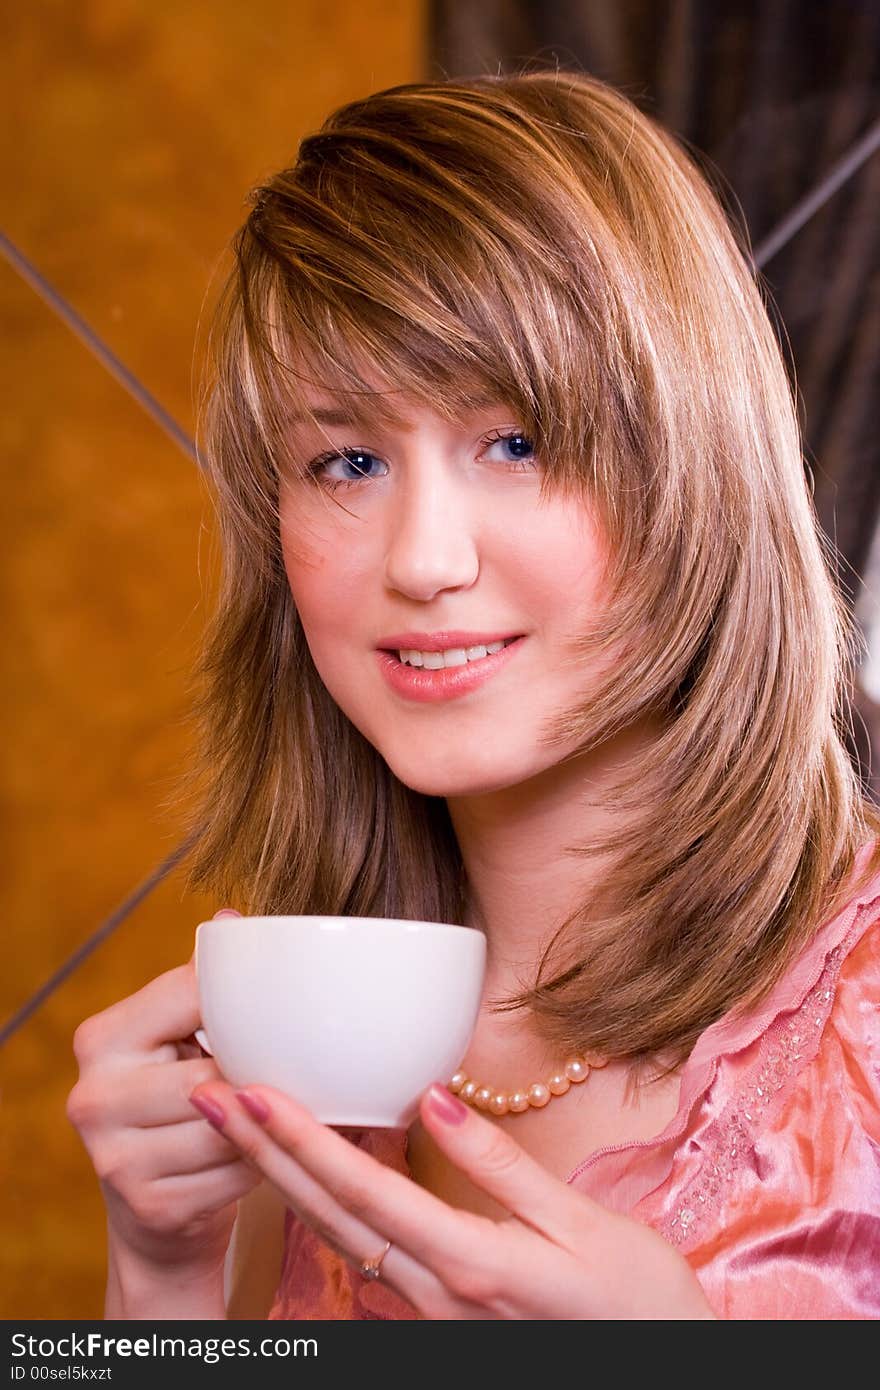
(440, 540)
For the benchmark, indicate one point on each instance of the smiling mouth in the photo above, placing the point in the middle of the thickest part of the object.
(455, 677)
(449, 656)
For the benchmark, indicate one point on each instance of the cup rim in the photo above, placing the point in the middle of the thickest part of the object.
(316, 921)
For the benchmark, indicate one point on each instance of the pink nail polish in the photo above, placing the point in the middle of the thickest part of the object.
(446, 1106)
(254, 1105)
(213, 1113)
(226, 912)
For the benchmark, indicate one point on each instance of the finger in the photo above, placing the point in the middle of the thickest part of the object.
(163, 1092)
(447, 1263)
(305, 1159)
(493, 1161)
(210, 1190)
(146, 1023)
(150, 1094)
(352, 1238)
(171, 1150)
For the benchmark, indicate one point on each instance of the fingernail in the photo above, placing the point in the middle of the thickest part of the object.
(213, 1113)
(254, 1105)
(446, 1106)
(227, 912)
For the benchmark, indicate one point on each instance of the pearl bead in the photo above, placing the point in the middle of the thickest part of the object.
(576, 1069)
(533, 1097)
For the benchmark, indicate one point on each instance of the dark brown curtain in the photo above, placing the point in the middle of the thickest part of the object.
(770, 94)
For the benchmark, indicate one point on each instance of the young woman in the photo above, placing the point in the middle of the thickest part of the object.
(526, 625)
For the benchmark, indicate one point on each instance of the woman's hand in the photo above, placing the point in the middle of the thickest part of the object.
(170, 1182)
(559, 1255)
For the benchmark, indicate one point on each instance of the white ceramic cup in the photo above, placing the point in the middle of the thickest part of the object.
(354, 1017)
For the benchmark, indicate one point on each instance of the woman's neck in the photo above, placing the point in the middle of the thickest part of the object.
(522, 880)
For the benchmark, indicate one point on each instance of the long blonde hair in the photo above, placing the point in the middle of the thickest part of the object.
(537, 237)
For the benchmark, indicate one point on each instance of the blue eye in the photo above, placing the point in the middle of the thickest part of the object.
(355, 467)
(357, 461)
(521, 448)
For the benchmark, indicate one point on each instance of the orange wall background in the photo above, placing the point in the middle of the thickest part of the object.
(137, 128)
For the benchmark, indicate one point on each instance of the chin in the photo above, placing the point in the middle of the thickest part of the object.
(451, 782)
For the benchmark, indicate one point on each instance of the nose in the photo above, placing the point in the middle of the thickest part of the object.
(431, 543)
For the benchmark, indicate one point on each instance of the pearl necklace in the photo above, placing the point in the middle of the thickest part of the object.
(536, 1096)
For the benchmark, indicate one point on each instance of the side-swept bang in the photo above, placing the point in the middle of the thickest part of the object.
(389, 254)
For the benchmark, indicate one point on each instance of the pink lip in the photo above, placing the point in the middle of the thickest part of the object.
(438, 641)
(415, 683)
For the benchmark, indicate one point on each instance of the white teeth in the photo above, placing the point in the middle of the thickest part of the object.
(452, 656)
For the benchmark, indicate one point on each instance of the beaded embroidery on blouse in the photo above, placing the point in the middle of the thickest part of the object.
(787, 1046)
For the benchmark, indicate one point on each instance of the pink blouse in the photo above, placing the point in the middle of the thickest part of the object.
(768, 1177)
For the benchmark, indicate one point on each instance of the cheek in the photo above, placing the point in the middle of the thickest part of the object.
(326, 582)
(562, 566)
(311, 562)
(323, 614)
(307, 579)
